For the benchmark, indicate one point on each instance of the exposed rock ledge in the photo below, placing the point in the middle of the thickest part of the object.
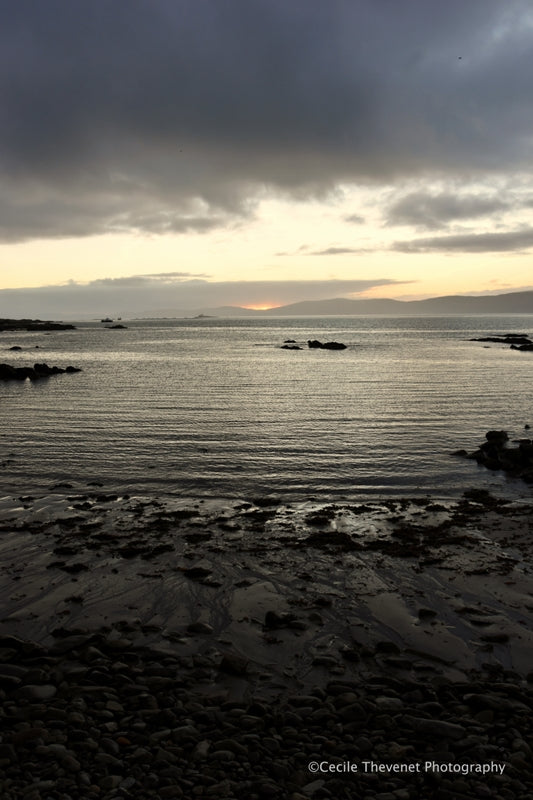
(326, 345)
(517, 341)
(496, 454)
(9, 373)
(34, 325)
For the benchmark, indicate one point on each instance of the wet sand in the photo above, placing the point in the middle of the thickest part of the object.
(450, 582)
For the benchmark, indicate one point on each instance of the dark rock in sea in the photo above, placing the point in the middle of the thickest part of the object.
(314, 343)
(517, 341)
(33, 325)
(116, 327)
(289, 341)
(50, 326)
(527, 346)
(15, 347)
(499, 437)
(290, 347)
(8, 373)
(506, 338)
(497, 455)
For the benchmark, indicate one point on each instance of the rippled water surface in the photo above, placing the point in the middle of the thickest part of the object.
(215, 407)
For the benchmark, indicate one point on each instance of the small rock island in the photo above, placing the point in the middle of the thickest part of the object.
(326, 345)
(516, 341)
(9, 373)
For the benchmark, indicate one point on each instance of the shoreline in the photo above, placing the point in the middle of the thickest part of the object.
(263, 602)
(403, 569)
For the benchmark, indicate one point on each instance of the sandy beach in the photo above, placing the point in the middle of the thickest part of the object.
(396, 632)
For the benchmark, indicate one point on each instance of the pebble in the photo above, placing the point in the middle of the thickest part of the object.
(38, 694)
(435, 727)
(310, 789)
(105, 733)
(392, 704)
(111, 782)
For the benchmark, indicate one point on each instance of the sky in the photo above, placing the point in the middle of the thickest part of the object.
(182, 154)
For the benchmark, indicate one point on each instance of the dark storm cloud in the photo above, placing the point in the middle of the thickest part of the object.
(29, 210)
(167, 115)
(426, 210)
(168, 292)
(509, 241)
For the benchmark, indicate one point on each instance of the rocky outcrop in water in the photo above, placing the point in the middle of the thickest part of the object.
(495, 453)
(290, 344)
(34, 325)
(326, 345)
(526, 346)
(9, 373)
(517, 341)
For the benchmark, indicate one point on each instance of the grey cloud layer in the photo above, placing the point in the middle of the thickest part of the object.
(166, 115)
(337, 251)
(427, 210)
(509, 241)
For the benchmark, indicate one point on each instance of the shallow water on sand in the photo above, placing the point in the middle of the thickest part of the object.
(214, 407)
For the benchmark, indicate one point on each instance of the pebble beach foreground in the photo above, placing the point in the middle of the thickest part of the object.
(154, 648)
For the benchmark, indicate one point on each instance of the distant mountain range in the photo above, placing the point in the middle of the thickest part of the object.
(510, 303)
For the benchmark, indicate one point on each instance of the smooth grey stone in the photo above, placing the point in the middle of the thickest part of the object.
(38, 694)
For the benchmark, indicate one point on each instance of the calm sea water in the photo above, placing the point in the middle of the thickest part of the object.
(214, 407)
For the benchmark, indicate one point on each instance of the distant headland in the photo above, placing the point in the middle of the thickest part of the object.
(448, 305)
(34, 325)
(509, 303)
(171, 308)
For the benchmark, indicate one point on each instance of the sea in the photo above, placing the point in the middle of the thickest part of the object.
(216, 408)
